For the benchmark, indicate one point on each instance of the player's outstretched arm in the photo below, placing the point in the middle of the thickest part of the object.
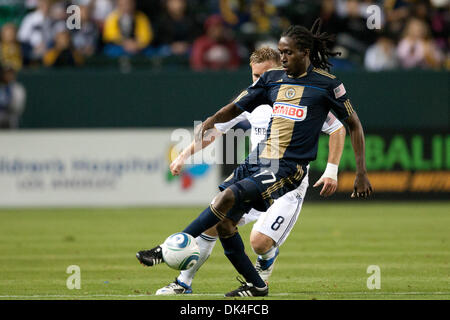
(209, 137)
(177, 165)
(362, 187)
(329, 177)
(225, 114)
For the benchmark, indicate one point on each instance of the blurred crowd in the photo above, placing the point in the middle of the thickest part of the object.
(209, 35)
(219, 34)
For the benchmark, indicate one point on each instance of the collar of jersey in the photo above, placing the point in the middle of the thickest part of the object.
(308, 70)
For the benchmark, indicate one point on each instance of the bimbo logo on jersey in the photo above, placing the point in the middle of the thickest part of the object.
(289, 111)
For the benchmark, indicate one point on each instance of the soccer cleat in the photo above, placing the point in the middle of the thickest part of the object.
(265, 267)
(173, 288)
(248, 290)
(150, 257)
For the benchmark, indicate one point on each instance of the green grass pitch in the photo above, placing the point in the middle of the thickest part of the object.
(325, 257)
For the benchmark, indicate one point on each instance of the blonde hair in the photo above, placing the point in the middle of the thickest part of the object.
(265, 54)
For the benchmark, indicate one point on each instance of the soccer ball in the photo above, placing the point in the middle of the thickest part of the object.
(180, 251)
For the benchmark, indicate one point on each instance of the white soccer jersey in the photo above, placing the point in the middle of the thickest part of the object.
(259, 120)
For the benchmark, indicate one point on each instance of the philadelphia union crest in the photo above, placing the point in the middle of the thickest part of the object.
(290, 93)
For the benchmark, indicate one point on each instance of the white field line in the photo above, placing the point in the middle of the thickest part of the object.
(220, 294)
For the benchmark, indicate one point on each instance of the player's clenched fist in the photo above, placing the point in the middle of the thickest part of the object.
(177, 165)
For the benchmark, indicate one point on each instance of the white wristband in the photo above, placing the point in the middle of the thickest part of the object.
(331, 171)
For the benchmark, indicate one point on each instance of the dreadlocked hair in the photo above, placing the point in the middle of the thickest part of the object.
(315, 41)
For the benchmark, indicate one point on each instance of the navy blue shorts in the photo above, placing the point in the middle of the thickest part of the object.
(272, 182)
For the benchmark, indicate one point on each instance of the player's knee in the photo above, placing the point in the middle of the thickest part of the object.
(224, 201)
(260, 242)
(226, 228)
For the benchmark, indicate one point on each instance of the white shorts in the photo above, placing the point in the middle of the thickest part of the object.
(278, 221)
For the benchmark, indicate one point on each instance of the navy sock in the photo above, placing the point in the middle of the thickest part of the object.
(234, 250)
(204, 221)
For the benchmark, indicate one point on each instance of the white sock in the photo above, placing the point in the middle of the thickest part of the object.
(269, 254)
(206, 244)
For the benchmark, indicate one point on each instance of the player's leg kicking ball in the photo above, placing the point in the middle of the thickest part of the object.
(252, 185)
(182, 284)
(268, 234)
(231, 242)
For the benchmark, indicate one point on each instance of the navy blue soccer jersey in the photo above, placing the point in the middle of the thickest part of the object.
(299, 109)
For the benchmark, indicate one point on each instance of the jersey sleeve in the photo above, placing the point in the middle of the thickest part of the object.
(331, 124)
(339, 100)
(225, 126)
(253, 96)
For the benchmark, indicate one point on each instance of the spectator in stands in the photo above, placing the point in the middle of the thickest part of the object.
(175, 30)
(86, 38)
(62, 54)
(12, 98)
(396, 14)
(126, 30)
(35, 32)
(381, 55)
(58, 20)
(265, 17)
(416, 49)
(440, 24)
(330, 20)
(235, 13)
(10, 50)
(354, 35)
(215, 49)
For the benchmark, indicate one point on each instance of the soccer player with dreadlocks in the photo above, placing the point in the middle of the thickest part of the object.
(301, 94)
(272, 228)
